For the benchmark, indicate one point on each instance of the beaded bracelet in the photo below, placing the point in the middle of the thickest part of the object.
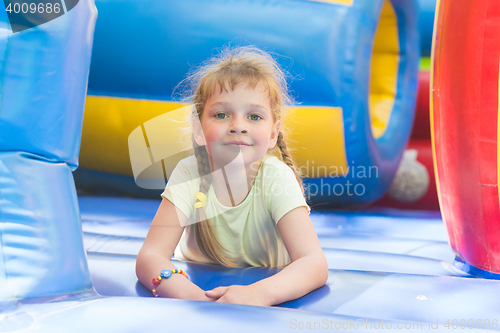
(165, 274)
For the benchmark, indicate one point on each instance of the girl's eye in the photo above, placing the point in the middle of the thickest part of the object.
(220, 115)
(255, 117)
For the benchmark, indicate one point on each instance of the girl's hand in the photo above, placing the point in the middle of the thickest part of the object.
(238, 295)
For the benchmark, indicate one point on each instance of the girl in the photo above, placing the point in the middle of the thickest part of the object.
(240, 205)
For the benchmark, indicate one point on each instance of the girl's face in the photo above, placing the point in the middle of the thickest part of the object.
(238, 120)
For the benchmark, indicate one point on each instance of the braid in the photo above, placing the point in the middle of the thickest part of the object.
(205, 236)
(287, 158)
(203, 168)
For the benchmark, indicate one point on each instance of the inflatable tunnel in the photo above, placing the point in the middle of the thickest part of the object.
(353, 70)
(414, 185)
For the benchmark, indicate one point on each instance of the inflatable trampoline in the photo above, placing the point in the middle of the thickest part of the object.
(68, 261)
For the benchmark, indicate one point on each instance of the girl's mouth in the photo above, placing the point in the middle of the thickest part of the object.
(237, 143)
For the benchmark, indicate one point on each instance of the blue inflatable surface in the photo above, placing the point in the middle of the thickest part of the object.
(387, 267)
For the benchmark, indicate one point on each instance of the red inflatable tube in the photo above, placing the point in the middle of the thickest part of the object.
(421, 125)
(464, 125)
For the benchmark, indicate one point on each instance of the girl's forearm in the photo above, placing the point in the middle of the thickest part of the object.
(296, 280)
(149, 266)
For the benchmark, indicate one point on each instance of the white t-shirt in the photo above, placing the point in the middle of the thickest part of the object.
(249, 230)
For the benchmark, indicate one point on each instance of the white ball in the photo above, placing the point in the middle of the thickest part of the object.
(412, 179)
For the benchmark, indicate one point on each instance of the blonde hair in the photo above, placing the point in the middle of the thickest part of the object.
(225, 71)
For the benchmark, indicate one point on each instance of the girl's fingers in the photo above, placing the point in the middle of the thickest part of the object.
(217, 292)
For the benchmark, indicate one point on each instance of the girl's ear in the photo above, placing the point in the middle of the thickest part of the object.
(199, 138)
(274, 134)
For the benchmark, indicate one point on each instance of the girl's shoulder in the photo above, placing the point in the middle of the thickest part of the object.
(189, 161)
(274, 169)
(186, 169)
(272, 164)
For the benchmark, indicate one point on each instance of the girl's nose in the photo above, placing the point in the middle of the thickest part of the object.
(237, 126)
(234, 131)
